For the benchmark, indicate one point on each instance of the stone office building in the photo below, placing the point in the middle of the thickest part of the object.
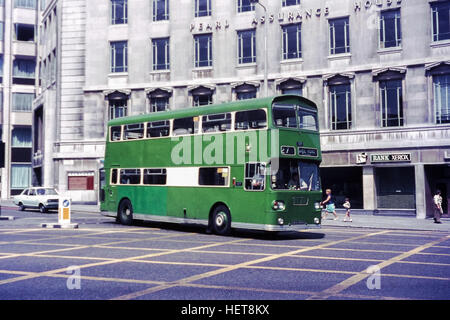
(18, 20)
(379, 71)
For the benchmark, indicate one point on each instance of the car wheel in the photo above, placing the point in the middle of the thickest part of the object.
(125, 212)
(221, 220)
(21, 206)
(42, 208)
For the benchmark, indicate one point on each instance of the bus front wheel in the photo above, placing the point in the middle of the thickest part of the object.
(125, 214)
(221, 220)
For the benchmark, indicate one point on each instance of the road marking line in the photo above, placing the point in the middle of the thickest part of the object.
(237, 266)
(102, 263)
(337, 288)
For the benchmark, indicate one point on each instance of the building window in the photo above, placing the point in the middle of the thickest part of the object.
(118, 105)
(2, 30)
(339, 36)
(23, 71)
(441, 20)
(28, 4)
(202, 8)
(340, 107)
(391, 103)
(245, 91)
(291, 86)
(119, 11)
(395, 187)
(119, 56)
(292, 44)
(441, 85)
(159, 100)
(245, 6)
(118, 108)
(203, 50)
(160, 10)
(161, 57)
(24, 32)
(390, 29)
(21, 137)
(20, 177)
(201, 96)
(22, 102)
(287, 3)
(246, 46)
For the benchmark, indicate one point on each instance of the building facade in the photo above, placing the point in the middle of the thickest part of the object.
(18, 34)
(379, 71)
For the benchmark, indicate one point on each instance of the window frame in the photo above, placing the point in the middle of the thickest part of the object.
(384, 103)
(166, 15)
(240, 46)
(397, 29)
(197, 50)
(247, 178)
(155, 50)
(114, 8)
(333, 107)
(285, 41)
(332, 35)
(198, 13)
(113, 56)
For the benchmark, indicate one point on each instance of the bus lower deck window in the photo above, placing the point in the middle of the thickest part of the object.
(114, 176)
(213, 176)
(130, 176)
(255, 176)
(155, 176)
(158, 129)
(251, 119)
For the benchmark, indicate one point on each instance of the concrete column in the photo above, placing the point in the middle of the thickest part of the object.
(369, 188)
(420, 181)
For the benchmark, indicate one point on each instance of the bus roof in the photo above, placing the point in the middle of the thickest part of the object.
(209, 109)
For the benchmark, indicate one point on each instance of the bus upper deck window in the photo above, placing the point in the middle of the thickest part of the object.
(116, 133)
(284, 116)
(133, 131)
(185, 126)
(307, 119)
(251, 119)
(158, 129)
(216, 123)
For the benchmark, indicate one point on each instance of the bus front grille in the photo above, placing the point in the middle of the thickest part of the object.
(300, 201)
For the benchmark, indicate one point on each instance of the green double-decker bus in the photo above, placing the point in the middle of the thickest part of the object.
(251, 164)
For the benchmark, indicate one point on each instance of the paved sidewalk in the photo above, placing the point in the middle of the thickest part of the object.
(359, 220)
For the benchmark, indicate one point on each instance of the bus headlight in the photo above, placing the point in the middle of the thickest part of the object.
(317, 205)
(316, 220)
(278, 205)
(280, 221)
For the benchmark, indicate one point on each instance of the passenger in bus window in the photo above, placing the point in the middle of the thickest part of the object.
(293, 182)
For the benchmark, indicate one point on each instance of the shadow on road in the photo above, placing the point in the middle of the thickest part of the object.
(239, 233)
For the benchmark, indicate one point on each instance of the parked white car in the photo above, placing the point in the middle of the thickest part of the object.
(37, 198)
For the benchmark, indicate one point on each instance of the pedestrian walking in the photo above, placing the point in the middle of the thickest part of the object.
(329, 203)
(437, 203)
(347, 206)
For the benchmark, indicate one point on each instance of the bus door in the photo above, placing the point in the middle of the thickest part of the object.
(101, 185)
(111, 189)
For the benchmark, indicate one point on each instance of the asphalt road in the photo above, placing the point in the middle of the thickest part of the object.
(160, 261)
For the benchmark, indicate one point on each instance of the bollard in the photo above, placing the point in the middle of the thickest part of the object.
(64, 215)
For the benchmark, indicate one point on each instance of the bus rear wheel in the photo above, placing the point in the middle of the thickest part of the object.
(221, 220)
(125, 212)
